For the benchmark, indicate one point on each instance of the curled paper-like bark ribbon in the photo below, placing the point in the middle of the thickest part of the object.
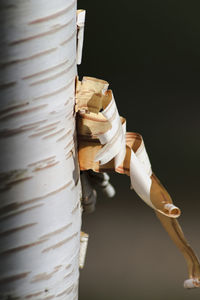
(80, 34)
(104, 145)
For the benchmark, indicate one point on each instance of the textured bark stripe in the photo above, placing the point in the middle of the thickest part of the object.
(34, 295)
(76, 208)
(11, 132)
(61, 243)
(69, 274)
(20, 212)
(24, 128)
(14, 277)
(52, 193)
(65, 135)
(13, 230)
(67, 291)
(13, 107)
(46, 167)
(25, 111)
(53, 134)
(68, 266)
(17, 61)
(55, 15)
(69, 115)
(69, 144)
(75, 184)
(75, 289)
(51, 158)
(68, 100)
(8, 297)
(68, 155)
(46, 33)
(17, 205)
(55, 92)
(43, 276)
(41, 133)
(48, 126)
(21, 248)
(58, 267)
(9, 185)
(34, 125)
(8, 208)
(7, 85)
(69, 38)
(46, 70)
(48, 235)
(12, 177)
(55, 76)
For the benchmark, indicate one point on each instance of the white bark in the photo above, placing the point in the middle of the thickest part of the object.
(40, 212)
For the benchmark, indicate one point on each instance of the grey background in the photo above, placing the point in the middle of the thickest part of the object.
(149, 51)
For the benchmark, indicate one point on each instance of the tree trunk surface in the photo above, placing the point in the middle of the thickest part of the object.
(40, 214)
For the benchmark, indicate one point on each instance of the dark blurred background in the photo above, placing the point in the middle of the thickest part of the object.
(149, 51)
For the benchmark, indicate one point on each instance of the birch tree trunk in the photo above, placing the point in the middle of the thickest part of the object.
(40, 212)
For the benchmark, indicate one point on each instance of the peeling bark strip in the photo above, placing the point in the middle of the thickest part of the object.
(37, 92)
(80, 34)
(110, 148)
